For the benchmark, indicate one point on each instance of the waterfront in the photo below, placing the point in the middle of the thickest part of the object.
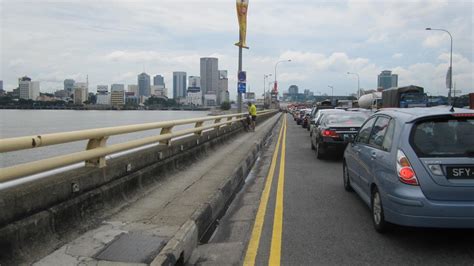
(17, 123)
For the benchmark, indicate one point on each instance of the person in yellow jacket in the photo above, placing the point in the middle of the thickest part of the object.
(253, 114)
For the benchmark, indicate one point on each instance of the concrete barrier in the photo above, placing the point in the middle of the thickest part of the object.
(51, 209)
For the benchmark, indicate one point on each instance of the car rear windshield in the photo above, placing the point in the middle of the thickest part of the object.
(344, 118)
(444, 137)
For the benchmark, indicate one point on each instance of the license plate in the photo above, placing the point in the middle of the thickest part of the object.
(460, 172)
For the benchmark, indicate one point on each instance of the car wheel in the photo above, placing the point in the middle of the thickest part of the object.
(378, 217)
(320, 154)
(347, 181)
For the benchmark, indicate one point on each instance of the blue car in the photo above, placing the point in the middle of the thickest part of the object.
(414, 167)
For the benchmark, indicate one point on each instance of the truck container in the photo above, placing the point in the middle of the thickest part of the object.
(404, 97)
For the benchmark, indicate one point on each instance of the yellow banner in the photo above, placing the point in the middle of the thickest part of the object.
(242, 8)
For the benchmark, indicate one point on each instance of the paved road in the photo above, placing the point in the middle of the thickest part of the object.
(321, 224)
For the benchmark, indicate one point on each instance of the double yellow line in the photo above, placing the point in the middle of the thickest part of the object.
(275, 249)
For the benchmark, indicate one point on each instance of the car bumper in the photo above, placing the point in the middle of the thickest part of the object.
(421, 212)
(331, 144)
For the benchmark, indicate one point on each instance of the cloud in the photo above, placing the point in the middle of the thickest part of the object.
(397, 55)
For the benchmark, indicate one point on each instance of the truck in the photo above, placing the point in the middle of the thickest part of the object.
(371, 100)
(404, 97)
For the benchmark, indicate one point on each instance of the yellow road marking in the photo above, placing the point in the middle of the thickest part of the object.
(275, 249)
(252, 248)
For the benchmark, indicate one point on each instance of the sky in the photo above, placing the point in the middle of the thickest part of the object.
(114, 41)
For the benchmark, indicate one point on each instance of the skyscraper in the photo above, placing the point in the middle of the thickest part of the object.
(158, 80)
(179, 85)
(293, 90)
(80, 92)
(1, 85)
(117, 94)
(29, 90)
(209, 75)
(386, 80)
(144, 84)
(69, 85)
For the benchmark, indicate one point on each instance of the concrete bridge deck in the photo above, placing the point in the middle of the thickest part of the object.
(183, 203)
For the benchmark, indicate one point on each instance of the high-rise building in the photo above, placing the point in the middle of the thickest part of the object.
(387, 80)
(117, 94)
(69, 85)
(1, 85)
(158, 80)
(29, 90)
(194, 81)
(81, 92)
(103, 95)
(223, 86)
(293, 90)
(209, 75)
(179, 85)
(144, 84)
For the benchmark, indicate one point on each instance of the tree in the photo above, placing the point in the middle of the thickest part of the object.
(225, 106)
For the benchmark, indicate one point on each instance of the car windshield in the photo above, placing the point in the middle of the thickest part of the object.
(344, 118)
(445, 137)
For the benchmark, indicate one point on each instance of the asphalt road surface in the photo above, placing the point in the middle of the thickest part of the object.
(311, 220)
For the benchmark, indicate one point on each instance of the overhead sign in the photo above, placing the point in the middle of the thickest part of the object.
(242, 76)
(241, 87)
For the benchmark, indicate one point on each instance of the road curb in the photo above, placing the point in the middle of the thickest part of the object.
(180, 247)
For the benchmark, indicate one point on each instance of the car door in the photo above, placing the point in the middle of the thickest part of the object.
(376, 154)
(354, 162)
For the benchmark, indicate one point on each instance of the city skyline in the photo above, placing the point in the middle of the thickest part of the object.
(337, 38)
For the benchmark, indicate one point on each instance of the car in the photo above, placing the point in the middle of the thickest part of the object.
(300, 116)
(414, 167)
(306, 118)
(318, 114)
(334, 131)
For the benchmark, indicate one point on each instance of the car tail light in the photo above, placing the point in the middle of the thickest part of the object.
(406, 174)
(464, 115)
(330, 133)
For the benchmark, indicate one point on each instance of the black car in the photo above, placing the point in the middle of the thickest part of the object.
(335, 130)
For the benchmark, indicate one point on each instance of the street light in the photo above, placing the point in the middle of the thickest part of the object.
(450, 71)
(265, 76)
(358, 83)
(332, 93)
(281, 61)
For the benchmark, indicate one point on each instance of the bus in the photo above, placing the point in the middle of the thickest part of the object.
(404, 97)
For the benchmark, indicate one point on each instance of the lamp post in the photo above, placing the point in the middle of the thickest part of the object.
(265, 76)
(332, 93)
(358, 83)
(450, 71)
(275, 74)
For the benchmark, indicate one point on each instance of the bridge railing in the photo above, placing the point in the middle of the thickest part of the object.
(97, 148)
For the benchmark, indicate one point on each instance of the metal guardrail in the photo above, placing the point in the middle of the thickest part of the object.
(96, 149)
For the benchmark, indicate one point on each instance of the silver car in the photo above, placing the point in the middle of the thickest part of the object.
(415, 167)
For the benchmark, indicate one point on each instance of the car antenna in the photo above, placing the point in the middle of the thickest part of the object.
(452, 106)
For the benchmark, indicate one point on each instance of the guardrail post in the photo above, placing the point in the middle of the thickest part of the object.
(166, 130)
(198, 124)
(96, 143)
(218, 120)
(229, 119)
